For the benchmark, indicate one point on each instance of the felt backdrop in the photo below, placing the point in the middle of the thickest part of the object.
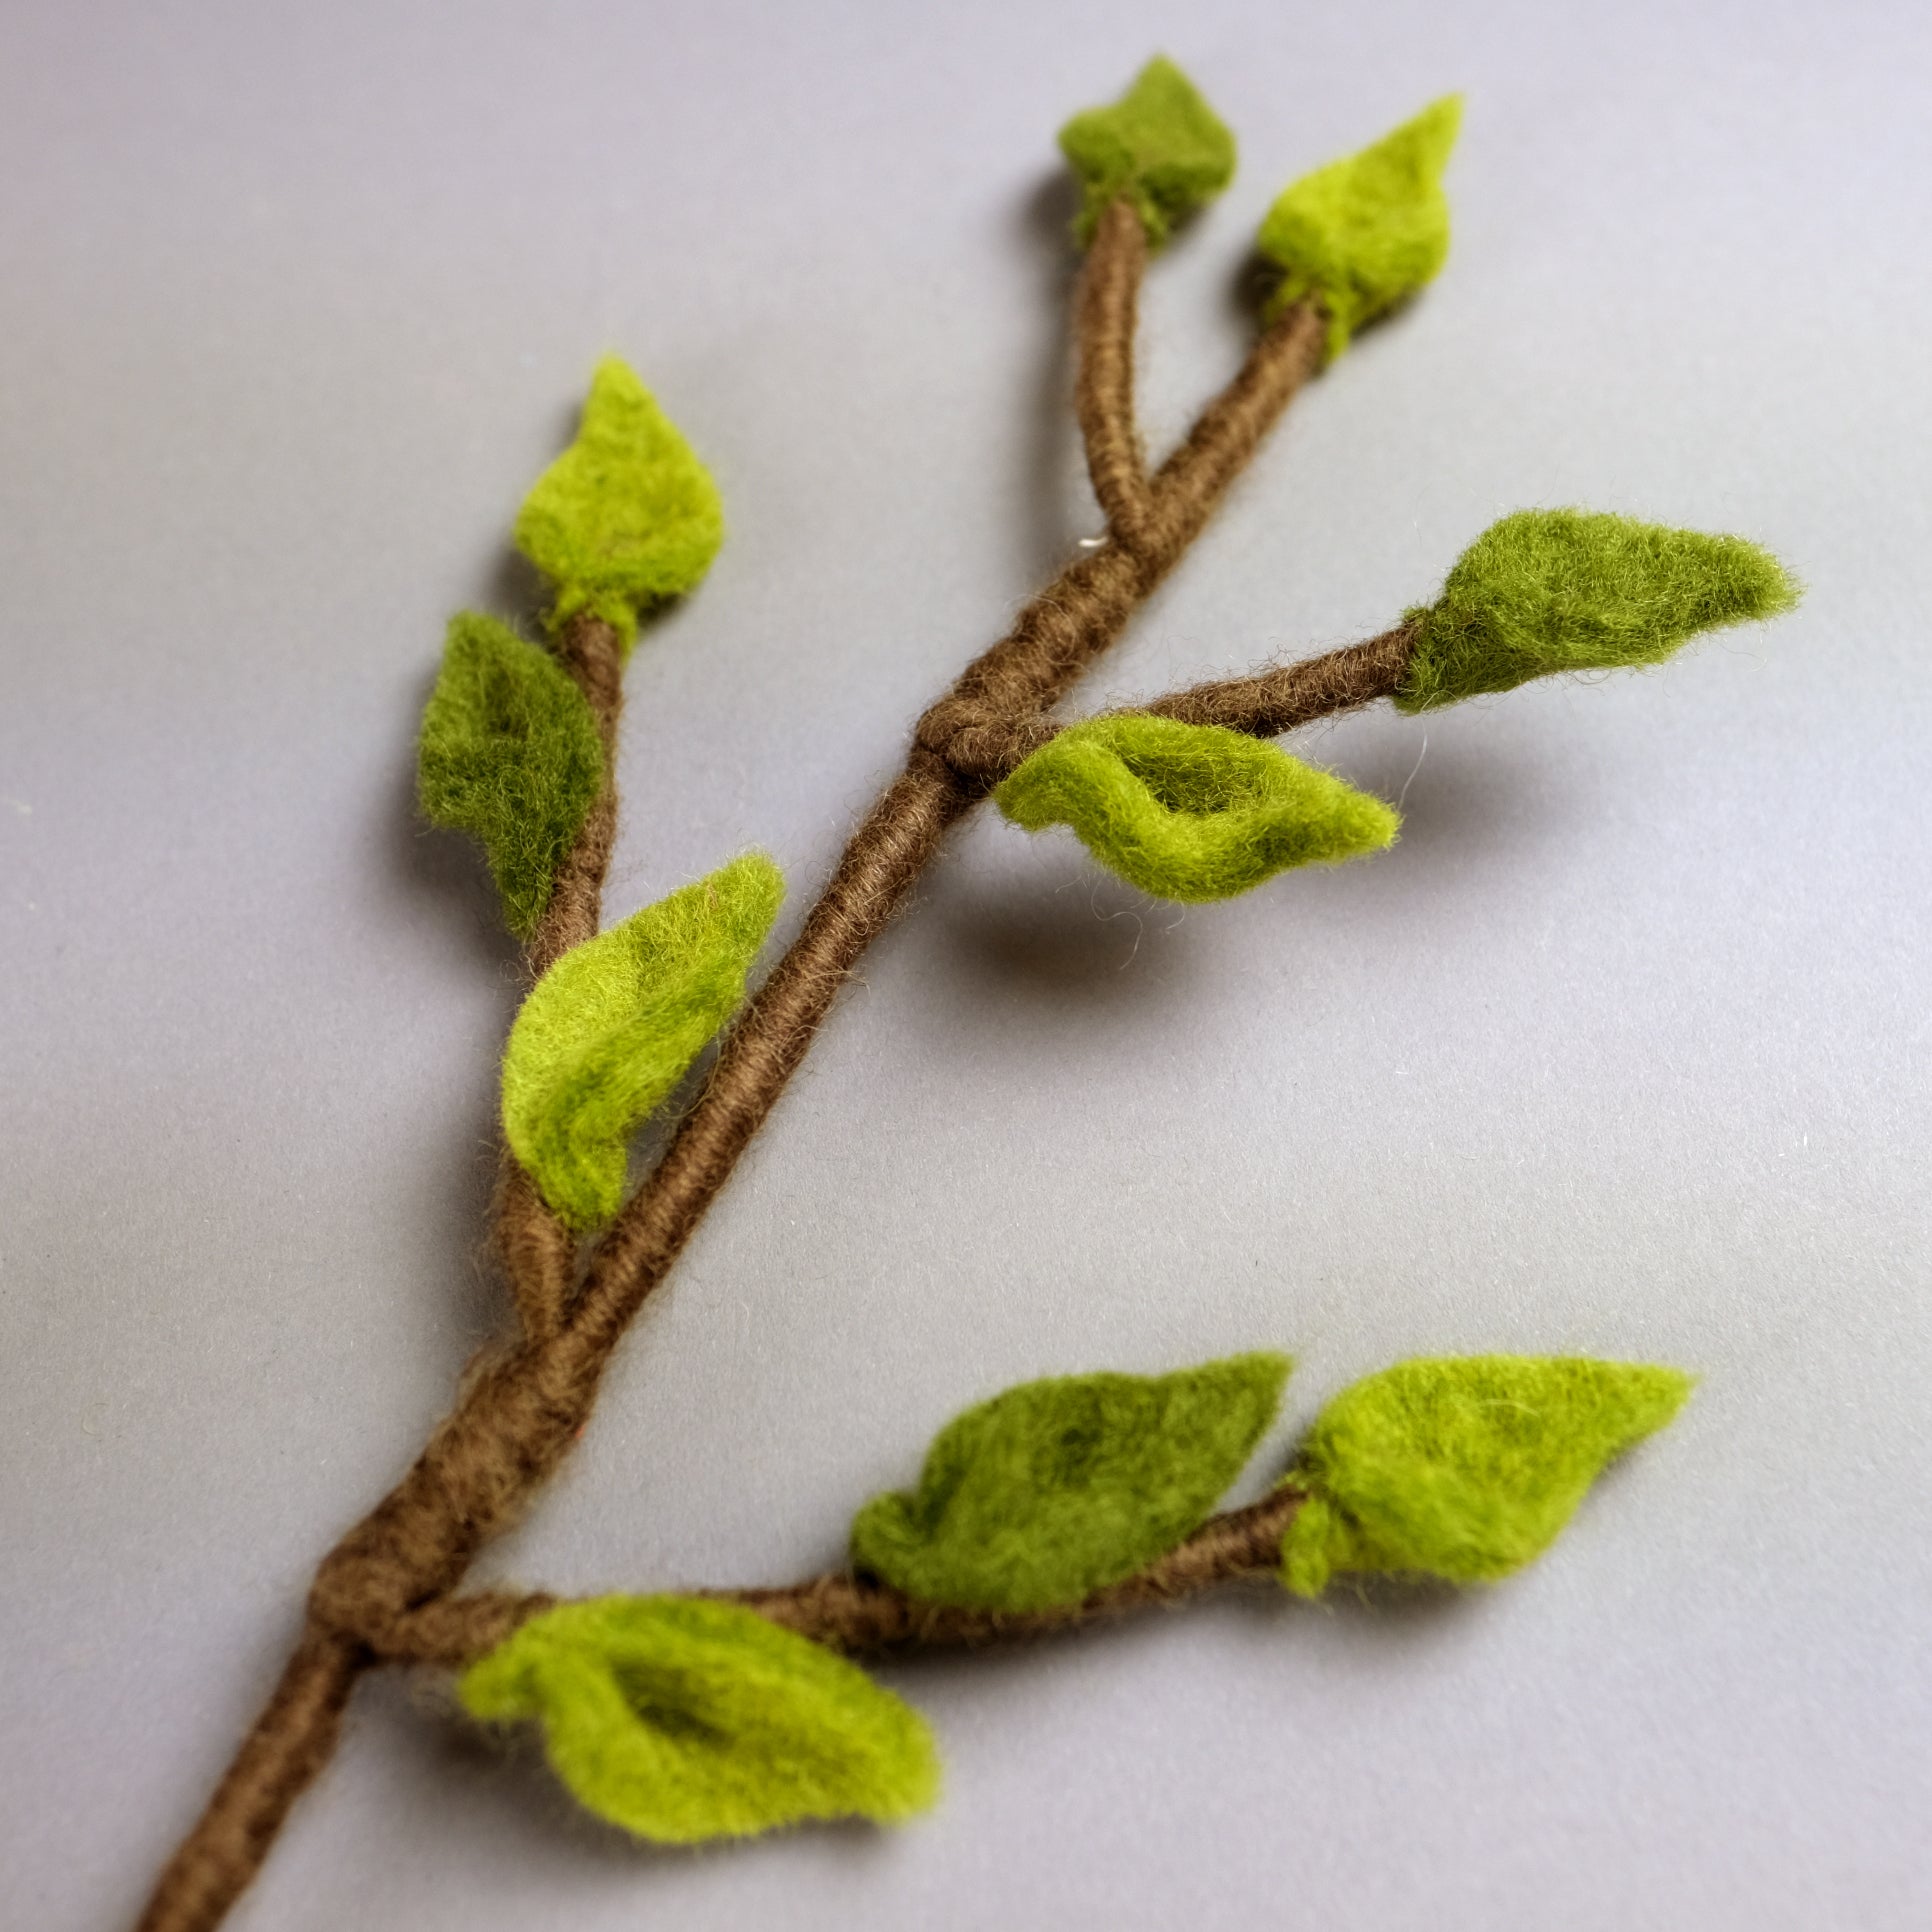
(1621, 1050)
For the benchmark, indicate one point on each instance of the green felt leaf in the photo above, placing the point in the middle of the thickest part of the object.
(682, 1720)
(1160, 146)
(508, 753)
(1059, 1487)
(1567, 590)
(1190, 812)
(627, 516)
(1464, 1468)
(1362, 233)
(611, 1028)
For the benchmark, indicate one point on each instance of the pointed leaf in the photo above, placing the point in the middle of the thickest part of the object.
(1567, 590)
(1464, 1468)
(612, 1027)
(1160, 146)
(1362, 233)
(682, 1720)
(1190, 812)
(627, 516)
(508, 753)
(1062, 1486)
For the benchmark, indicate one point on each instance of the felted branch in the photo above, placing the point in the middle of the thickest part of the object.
(538, 1253)
(591, 651)
(1271, 702)
(860, 1615)
(984, 747)
(1104, 391)
(521, 1411)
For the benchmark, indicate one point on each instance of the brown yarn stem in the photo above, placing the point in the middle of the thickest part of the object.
(1266, 705)
(538, 1253)
(519, 1413)
(591, 651)
(985, 747)
(291, 1741)
(861, 1615)
(1103, 396)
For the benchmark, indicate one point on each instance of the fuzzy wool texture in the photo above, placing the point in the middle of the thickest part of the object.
(1160, 146)
(1464, 1468)
(683, 1720)
(612, 1027)
(509, 754)
(1061, 1486)
(1191, 812)
(1574, 590)
(1363, 233)
(627, 517)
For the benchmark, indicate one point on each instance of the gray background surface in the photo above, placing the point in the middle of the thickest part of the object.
(1623, 1049)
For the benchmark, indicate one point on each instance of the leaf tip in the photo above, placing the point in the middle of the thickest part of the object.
(683, 1719)
(1547, 591)
(1160, 147)
(509, 753)
(1190, 812)
(627, 518)
(607, 1033)
(1059, 1487)
(1364, 233)
(1464, 1468)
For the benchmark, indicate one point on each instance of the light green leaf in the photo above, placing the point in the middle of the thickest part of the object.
(627, 516)
(508, 753)
(1464, 1468)
(682, 1720)
(1059, 1487)
(611, 1028)
(1160, 146)
(1190, 812)
(1362, 233)
(1567, 590)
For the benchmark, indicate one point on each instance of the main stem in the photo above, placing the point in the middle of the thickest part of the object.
(521, 1411)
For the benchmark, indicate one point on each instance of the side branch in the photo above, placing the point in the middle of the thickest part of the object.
(538, 1253)
(1103, 395)
(985, 747)
(1230, 429)
(860, 1614)
(590, 650)
(851, 1614)
(1266, 705)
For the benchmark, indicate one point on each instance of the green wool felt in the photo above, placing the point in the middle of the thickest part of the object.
(612, 1027)
(1362, 233)
(1464, 1468)
(1058, 1487)
(1190, 812)
(509, 754)
(1160, 146)
(1569, 590)
(682, 1720)
(627, 516)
